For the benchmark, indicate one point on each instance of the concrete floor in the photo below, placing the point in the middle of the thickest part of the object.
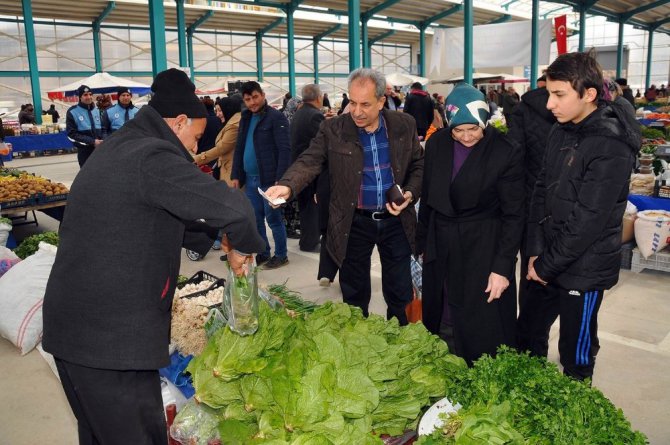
(633, 368)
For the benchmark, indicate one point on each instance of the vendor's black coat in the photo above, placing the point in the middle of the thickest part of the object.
(467, 229)
(575, 217)
(108, 300)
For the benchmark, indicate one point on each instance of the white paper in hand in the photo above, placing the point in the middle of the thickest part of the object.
(274, 202)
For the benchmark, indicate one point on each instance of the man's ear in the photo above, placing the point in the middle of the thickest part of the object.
(591, 95)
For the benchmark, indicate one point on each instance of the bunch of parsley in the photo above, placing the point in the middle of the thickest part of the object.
(546, 407)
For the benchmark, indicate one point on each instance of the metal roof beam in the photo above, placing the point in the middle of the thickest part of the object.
(441, 15)
(381, 37)
(502, 19)
(377, 9)
(110, 7)
(628, 14)
(546, 14)
(273, 25)
(206, 16)
(507, 5)
(328, 32)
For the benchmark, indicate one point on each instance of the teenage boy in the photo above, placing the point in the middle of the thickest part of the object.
(574, 225)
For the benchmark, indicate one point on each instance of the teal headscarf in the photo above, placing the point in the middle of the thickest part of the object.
(467, 105)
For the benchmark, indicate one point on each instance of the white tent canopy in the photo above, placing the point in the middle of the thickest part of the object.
(99, 83)
(401, 79)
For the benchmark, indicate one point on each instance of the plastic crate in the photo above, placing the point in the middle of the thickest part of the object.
(627, 254)
(18, 203)
(657, 261)
(43, 199)
(202, 276)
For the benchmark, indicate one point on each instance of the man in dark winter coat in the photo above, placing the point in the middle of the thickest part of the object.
(107, 306)
(366, 151)
(530, 126)
(419, 105)
(574, 226)
(262, 155)
(627, 93)
(304, 127)
(83, 124)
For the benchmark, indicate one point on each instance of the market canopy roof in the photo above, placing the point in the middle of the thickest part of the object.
(399, 79)
(99, 83)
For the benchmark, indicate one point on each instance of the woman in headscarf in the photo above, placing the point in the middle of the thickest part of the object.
(471, 219)
(228, 110)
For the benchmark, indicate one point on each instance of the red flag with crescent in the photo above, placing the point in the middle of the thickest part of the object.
(560, 25)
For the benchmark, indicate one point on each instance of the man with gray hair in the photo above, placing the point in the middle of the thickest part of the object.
(368, 152)
(304, 127)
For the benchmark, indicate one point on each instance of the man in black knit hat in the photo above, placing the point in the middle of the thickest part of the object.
(83, 124)
(107, 306)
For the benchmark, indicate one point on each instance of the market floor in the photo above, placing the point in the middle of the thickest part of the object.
(633, 364)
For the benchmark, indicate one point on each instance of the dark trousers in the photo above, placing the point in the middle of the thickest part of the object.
(309, 221)
(394, 253)
(114, 407)
(578, 342)
(83, 154)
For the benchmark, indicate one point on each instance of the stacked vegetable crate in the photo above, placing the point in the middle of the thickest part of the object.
(657, 261)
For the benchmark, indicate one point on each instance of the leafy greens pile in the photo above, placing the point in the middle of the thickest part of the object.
(545, 406)
(333, 377)
(30, 245)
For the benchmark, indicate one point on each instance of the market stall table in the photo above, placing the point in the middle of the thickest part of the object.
(54, 209)
(39, 142)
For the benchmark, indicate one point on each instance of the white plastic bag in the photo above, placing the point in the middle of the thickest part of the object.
(21, 295)
(652, 231)
(4, 233)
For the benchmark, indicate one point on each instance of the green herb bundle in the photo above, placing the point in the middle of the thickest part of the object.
(30, 245)
(546, 407)
(332, 377)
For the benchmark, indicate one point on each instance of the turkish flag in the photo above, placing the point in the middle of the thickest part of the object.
(561, 34)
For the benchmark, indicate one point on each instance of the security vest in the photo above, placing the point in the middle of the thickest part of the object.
(89, 122)
(117, 115)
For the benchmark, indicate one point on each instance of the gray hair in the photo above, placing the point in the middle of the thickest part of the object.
(362, 74)
(311, 92)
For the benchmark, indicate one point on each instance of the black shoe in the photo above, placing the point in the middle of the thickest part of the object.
(276, 262)
(223, 257)
(260, 259)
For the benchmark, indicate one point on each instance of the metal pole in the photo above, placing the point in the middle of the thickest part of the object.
(582, 28)
(467, 28)
(354, 10)
(290, 29)
(619, 50)
(259, 56)
(157, 31)
(315, 53)
(534, 43)
(365, 42)
(422, 49)
(32, 59)
(181, 33)
(650, 43)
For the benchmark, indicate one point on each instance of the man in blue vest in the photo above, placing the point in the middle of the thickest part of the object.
(84, 125)
(124, 110)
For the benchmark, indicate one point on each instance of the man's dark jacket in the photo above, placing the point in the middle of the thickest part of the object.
(529, 127)
(304, 127)
(337, 147)
(271, 143)
(419, 104)
(108, 300)
(579, 199)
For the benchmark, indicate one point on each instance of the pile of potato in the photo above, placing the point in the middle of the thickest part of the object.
(25, 186)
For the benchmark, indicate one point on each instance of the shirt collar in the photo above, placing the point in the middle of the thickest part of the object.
(380, 127)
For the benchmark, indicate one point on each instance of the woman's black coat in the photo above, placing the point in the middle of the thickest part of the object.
(467, 229)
